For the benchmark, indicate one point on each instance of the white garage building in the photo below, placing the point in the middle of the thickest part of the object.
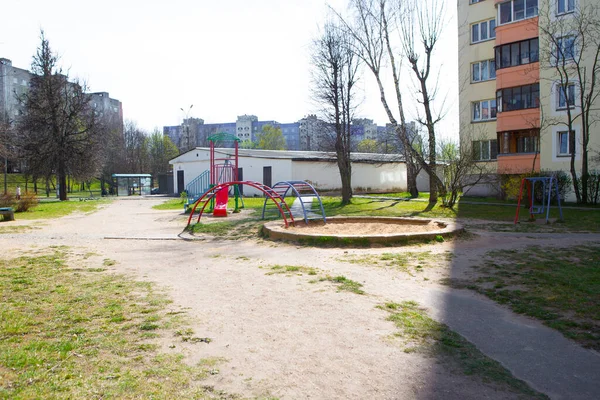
(370, 172)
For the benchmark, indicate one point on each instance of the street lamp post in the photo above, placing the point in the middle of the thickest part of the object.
(186, 127)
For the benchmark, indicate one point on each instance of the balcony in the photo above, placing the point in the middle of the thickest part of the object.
(518, 120)
(518, 163)
(519, 75)
(518, 151)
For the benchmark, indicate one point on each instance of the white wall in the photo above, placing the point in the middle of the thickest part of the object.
(323, 175)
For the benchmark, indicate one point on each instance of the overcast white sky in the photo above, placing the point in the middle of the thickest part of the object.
(227, 58)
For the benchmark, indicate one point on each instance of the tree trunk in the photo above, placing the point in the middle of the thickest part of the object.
(61, 176)
(346, 174)
(573, 171)
(411, 177)
(584, 175)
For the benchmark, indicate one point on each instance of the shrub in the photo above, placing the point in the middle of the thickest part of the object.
(511, 184)
(593, 184)
(7, 200)
(27, 201)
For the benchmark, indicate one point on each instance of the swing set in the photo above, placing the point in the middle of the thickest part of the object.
(544, 184)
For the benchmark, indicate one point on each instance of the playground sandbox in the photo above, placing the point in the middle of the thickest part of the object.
(362, 230)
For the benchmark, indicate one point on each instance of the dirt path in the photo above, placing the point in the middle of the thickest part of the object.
(281, 335)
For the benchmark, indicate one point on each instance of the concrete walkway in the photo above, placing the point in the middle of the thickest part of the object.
(542, 357)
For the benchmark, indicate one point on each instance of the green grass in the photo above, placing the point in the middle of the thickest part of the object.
(171, 204)
(399, 195)
(408, 261)
(229, 229)
(427, 336)
(56, 209)
(344, 283)
(574, 220)
(76, 333)
(559, 286)
(14, 180)
(291, 269)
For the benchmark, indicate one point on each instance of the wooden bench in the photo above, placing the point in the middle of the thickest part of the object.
(8, 213)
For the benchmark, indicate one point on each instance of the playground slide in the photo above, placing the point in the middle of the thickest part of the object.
(221, 199)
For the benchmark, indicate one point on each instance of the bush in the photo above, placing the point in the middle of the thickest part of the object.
(8, 200)
(593, 184)
(26, 202)
(511, 184)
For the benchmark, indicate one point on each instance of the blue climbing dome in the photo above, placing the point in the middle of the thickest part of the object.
(304, 192)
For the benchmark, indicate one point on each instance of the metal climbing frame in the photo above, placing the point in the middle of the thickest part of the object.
(205, 199)
(547, 183)
(299, 189)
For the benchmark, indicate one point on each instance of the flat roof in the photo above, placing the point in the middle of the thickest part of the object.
(301, 155)
(131, 175)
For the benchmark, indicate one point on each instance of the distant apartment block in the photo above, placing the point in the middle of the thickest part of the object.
(14, 82)
(309, 133)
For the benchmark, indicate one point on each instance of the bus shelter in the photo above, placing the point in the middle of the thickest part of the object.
(132, 184)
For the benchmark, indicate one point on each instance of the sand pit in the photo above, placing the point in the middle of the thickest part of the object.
(362, 229)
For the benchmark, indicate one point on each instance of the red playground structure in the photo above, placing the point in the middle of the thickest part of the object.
(222, 170)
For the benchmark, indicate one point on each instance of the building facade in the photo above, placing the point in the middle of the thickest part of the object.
(14, 82)
(370, 172)
(308, 134)
(518, 82)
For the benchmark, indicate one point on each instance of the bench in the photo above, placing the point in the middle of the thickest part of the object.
(8, 213)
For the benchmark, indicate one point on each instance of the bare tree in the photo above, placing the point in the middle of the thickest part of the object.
(335, 77)
(573, 62)
(372, 44)
(461, 169)
(376, 22)
(136, 152)
(57, 130)
(423, 22)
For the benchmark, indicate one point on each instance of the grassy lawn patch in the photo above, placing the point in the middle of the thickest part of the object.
(342, 283)
(424, 335)
(80, 333)
(229, 229)
(587, 219)
(559, 286)
(57, 209)
(408, 261)
(291, 270)
(171, 204)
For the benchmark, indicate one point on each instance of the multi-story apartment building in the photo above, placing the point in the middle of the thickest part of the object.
(14, 82)
(514, 100)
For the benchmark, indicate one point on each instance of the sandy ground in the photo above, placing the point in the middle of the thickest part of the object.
(280, 335)
(363, 228)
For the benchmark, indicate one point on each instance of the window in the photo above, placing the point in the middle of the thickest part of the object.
(485, 150)
(484, 110)
(566, 97)
(566, 142)
(483, 71)
(565, 49)
(518, 53)
(518, 98)
(565, 6)
(475, 1)
(482, 31)
(516, 10)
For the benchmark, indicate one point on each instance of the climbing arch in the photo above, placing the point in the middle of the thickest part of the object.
(279, 202)
(302, 190)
